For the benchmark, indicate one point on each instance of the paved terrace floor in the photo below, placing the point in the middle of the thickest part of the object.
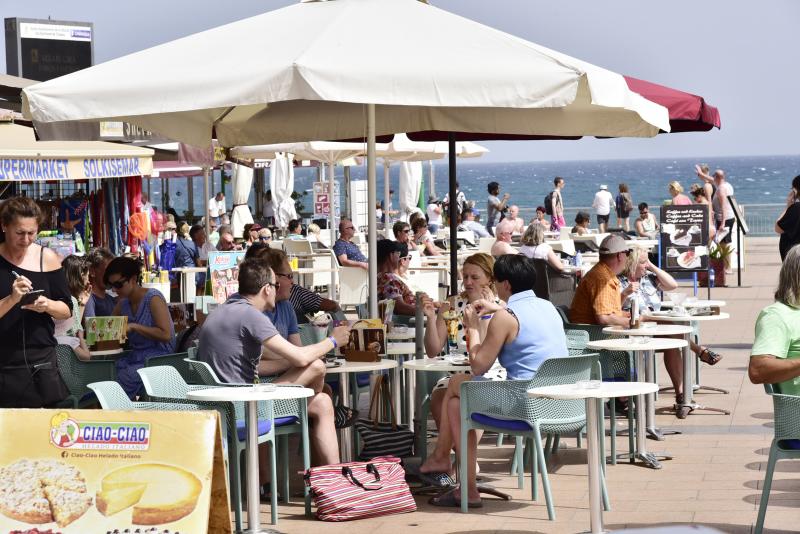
(715, 478)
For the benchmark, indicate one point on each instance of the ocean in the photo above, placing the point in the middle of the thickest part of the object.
(760, 182)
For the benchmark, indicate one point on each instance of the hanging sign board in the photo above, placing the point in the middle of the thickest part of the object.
(322, 200)
(82, 471)
(684, 236)
(224, 272)
(64, 168)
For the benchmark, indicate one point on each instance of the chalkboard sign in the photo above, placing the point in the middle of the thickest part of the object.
(684, 238)
(737, 212)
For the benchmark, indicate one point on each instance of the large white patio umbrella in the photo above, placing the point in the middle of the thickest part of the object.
(242, 185)
(282, 85)
(281, 183)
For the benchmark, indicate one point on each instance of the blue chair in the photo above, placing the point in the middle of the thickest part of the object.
(290, 416)
(504, 406)
(785, 445)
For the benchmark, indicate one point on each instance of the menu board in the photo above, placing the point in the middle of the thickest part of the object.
(109, 328)
(684, 238)
(322, 200)
(224, 271)
(93, 471)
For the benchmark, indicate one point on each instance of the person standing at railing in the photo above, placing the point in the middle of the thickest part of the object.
(788, 224)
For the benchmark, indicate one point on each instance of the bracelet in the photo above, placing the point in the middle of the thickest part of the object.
(333, 340)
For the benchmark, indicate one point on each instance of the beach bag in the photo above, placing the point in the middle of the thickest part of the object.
(381, 437)
(627, 203)
(357, 490)
(548, 203)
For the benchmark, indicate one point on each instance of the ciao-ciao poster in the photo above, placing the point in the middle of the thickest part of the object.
(684, 238)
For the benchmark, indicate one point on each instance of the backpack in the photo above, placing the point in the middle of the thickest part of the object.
(548, 203)
(627, 203)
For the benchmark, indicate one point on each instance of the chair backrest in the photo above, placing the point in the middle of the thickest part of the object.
(426, 281)
(276, 244)
(205, 372)
(164, 381)
(323, 263)
(576, 341)
(466, 236)
(76, 374)
(111, 395)
(564, 232)
(352, 286)
(309, 334)
(787, 416)
(297, 246)
(416, 259)
(191, 353)
(177, 361)
(485, 244)
(563, 311)
(556, 371)
(614, 363)
(541, 287)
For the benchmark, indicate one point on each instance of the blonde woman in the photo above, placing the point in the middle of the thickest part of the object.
(478, 282)
(534, 247)
(676, 191)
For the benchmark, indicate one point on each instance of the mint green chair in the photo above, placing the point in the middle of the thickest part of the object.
(78, 374)
(111, 396)
(504, 406)
(785, 445)
(290, 416)
(178, 361)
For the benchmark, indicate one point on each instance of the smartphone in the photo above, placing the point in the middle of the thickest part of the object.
(31, 296)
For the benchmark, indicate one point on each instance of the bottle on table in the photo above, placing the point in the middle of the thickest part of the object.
(634, 319)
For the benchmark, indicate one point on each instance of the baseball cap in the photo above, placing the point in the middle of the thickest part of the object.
(613, 244)
(603, 186)
(255, 227)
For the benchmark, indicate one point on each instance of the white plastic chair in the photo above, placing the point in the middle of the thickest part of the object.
(352, 286)
(485, 244)
(425, 281)
(297, 247)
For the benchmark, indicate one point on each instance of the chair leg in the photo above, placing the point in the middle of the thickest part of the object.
(273, 484)
(613, 417)
(556, 442)
(762, 506)
(235, 477)
(518, 456)
(306, 454)
(500, 440)
(578, 439)
(283, 449)
(548, 444)
(551, 513)
(534, 470)
(604, 490)
(632, 404)
(515, 458)
(462, 466)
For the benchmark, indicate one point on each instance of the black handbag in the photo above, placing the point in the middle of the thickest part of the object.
(379, 436)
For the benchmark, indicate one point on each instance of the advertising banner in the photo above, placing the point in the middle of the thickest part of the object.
(75, 168)
(322, 200)
(684, 236)
(224, 273)
(98, 471)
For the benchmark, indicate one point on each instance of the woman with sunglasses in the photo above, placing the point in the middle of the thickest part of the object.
(150, 328)
(28, 365)
(645, 280)
(402, 233)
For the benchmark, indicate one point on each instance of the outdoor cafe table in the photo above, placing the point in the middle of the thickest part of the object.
(344, 367)
(605, 391)
(700, 303)
(188, 286)
(250, 396)
(645, 363)
(688, 377)
(401, 352)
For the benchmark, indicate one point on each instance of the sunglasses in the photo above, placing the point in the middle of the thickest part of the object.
(405, 258)
(285, 275)
(119, 283)
(274, 286)
(404, 231)
(261, 238)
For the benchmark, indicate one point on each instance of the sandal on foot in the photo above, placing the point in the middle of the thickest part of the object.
(451, 499)
(437, 480)
(709, 356)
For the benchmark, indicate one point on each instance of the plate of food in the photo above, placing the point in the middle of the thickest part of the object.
(681, 237)
(689, 260)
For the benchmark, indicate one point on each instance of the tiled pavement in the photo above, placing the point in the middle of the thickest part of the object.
(714, 480)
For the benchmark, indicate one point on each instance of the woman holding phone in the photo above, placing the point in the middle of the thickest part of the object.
(28, 365)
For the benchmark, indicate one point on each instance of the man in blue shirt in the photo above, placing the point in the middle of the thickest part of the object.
(348, 254)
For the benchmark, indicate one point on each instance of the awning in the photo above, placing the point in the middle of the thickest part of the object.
(23, 158)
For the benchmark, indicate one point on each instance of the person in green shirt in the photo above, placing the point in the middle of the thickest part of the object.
(775, 356)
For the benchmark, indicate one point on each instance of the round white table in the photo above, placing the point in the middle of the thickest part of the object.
(403, 351)
(110, 352)
(645, 364)
(250, 396)
(605, 391)
(187, 284)
(690, 384)
(345, 368)
(700, 303)
(400, 335)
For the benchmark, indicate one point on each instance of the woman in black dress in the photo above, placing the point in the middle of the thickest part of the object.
(28, 365)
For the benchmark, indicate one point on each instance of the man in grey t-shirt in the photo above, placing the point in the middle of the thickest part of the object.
(233, 336)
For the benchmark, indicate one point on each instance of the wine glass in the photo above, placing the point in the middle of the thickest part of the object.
(677, 298)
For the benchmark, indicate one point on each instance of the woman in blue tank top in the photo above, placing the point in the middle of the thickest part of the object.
(151, 331)
(520, 336)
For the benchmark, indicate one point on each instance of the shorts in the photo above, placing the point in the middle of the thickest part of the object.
(602, 219)
(729, 226)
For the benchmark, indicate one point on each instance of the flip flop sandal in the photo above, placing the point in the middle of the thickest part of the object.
(438, 480)
(709, 356)
(343, 416)
(449, 499)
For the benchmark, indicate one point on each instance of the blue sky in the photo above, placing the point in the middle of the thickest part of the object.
(741, 56)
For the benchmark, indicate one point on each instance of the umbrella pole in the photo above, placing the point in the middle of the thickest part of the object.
(372, 200)
(451, 164)
(432, 178)
(332, 211)
(206, 192)
(387, 197)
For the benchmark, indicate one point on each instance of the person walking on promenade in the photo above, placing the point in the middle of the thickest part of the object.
(556, 205)
(495, 207)
(624, 207)
(603, 204)
(788, 224)
(723, 213)
(676, 192)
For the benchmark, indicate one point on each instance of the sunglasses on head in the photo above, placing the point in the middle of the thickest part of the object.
(119, 283)
(264, 238)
